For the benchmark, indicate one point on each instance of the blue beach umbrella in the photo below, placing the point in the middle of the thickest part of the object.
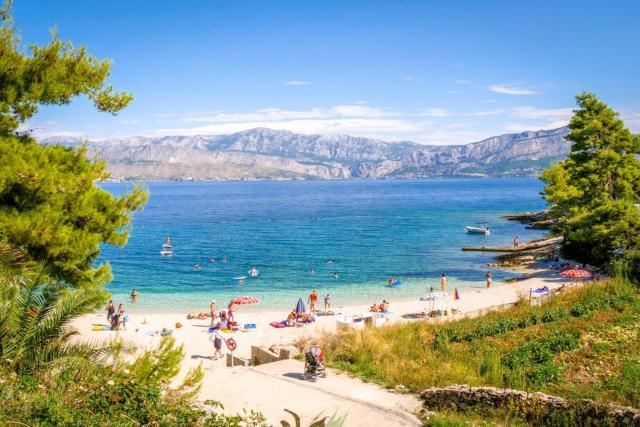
(300, 308)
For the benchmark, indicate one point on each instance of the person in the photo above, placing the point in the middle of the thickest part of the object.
(335, 274)
(121, 319)
(313, 299)
(134, 296)
(212, 311)
(216, 338)
(224, 323)
(110, 310)
(291, 318)
(516, 242)
(327, 302)
(443, 282)
(374, 308)
(231, 309)
(489, 277)
(312, 271)
(384, 307)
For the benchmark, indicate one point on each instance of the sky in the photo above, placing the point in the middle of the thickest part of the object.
(433, 72)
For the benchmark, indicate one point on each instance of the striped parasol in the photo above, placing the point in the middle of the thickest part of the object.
(245, 299)
(575, 273)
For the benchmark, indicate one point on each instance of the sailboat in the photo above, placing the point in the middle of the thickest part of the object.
(167, 249)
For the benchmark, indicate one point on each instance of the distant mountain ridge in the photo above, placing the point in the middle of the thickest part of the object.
(269, 154)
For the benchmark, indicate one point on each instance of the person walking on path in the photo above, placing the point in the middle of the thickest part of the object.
(216, 339)
(443, 282)
(489, 277)
(313, 300)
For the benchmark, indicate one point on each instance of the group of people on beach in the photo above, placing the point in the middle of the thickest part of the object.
(119, 319)
(380, 308)
(313, 302)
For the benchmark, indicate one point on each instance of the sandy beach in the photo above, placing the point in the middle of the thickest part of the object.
(193, 335)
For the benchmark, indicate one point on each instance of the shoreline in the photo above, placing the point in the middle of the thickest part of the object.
(142, 326)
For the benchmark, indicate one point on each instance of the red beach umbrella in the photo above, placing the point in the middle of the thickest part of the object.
(245, 299)
(575, 273)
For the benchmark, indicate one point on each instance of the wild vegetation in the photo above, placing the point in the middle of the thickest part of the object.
(580, 344)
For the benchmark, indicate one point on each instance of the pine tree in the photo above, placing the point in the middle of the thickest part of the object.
(50, 207)
(594, 192)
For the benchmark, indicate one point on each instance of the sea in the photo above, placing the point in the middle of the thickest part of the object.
(346, 238)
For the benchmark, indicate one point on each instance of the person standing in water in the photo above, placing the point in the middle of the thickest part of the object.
(327, 302)
(134, 296)
(443, 282)
(489, 277)
(516, 242)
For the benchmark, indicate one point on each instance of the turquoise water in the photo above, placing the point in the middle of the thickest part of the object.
(371, 230)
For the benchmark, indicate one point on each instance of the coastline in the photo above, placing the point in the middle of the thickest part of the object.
(192, 334)
(272, 387)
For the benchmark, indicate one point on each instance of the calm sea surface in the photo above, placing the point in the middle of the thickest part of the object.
(371, 230)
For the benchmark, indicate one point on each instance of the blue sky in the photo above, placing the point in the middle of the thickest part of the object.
(432, 72)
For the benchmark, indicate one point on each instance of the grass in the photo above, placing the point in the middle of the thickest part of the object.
(581, 344)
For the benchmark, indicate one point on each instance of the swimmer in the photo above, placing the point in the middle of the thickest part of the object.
(196, 266)
(312, 271)
(329, 261)
(212, 259)
(335, 275)
(225, 259)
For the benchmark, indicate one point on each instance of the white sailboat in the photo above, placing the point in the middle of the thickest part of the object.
(167, 249)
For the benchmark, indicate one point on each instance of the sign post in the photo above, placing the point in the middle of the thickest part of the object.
(231, 345)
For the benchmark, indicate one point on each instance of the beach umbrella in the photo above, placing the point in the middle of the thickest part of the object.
(245, 299)
(300, 308)
(575, 273)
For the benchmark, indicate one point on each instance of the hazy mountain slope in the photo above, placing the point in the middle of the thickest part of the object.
(264, 153)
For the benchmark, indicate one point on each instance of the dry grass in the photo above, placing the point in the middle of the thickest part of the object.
(405, 353)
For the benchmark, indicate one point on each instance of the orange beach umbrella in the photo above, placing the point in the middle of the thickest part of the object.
(575, 273)
(245, 299)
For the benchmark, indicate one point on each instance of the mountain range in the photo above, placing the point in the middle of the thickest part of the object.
(269, 154)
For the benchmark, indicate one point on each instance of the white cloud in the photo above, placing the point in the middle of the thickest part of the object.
(542, 113)
(512, 89)
(488, 112)
(436, 112)
(297, 83)
(130, 122)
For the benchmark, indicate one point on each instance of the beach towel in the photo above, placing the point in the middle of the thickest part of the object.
(249, 326)
(279, 324)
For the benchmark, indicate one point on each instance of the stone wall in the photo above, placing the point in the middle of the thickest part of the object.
(530, 405)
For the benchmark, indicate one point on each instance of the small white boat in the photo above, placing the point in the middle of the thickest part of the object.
(167, 249)
(478, 230)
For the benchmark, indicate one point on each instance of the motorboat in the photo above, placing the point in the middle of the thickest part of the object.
(167, 248)
(478, 230)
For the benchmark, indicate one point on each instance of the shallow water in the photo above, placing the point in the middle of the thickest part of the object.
(371, 230)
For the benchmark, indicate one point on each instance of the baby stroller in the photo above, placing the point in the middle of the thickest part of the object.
(313, 366)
